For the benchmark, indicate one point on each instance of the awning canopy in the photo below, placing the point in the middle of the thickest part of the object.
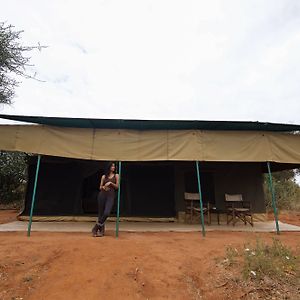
(120, 144)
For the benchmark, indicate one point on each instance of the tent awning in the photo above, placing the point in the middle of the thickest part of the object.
(152, 145)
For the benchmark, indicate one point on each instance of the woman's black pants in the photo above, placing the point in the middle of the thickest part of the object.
(105, 204)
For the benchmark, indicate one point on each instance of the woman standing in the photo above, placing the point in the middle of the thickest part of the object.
(108, 186)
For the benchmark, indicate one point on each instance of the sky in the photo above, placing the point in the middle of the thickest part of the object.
(200, 60)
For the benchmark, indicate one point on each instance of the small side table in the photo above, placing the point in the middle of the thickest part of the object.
(215, 210)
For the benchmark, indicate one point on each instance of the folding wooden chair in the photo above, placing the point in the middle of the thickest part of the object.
(192, 208)
(238, 209)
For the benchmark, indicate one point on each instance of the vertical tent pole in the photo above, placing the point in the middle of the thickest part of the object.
(119, 196)
(200, 197)
(273, 197)
(33, 194)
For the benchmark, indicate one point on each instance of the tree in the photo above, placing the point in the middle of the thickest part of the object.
(13, 61)
(12, 176)
(287, 191)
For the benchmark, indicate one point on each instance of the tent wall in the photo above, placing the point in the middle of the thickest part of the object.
(152, 145)
(60, 186)
(148, 189)
(230, 178)
(241, 179)
(68, 187)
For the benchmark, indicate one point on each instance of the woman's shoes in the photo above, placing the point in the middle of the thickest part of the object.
(98, 230)
(95, 230)
(101, 229)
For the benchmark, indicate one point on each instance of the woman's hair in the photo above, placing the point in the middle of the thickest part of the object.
(107, 169)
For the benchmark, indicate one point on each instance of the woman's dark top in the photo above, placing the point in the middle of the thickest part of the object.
(111, 188)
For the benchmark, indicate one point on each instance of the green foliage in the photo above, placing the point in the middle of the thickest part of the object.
(12, 61)
(13, 176)
(260, 261)
(276, 261)
(287, 191)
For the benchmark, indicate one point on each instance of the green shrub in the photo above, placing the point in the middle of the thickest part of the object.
(287, 191)
(13, 176)
(275, 261)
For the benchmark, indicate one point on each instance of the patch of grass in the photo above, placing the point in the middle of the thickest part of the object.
(261, 270)
(275, 261)
(231, 255)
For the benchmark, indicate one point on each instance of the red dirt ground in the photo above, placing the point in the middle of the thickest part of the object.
(134, 266)
(8, 215)
(289, 217)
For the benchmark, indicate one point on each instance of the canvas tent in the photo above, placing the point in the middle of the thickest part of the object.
(209, 142)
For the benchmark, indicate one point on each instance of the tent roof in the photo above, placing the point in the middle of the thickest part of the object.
(152, 145)
(154, 124)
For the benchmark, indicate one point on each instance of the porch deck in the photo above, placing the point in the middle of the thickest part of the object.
(268, 226)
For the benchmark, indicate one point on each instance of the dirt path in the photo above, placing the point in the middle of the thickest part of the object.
(136, 266)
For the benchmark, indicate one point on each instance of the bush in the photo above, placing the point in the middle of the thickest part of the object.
(13, 176)
(287, 191)
(275, 261)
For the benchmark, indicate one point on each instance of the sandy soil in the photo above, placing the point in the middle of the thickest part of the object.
(134, 266)
(289, 217)
(8, 215)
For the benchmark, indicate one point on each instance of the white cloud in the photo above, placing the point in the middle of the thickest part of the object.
(229, 60)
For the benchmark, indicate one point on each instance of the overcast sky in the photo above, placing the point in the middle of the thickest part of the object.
(212, 60)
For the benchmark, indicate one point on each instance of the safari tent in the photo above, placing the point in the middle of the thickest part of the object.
(161, 160)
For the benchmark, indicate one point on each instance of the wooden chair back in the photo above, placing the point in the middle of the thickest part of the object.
(191, 196)
(233, 197)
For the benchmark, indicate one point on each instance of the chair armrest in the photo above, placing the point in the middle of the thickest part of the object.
(247, 204)
(229, 204)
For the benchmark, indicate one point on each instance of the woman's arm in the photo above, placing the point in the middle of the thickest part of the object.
(115, 185)
(101, 183)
